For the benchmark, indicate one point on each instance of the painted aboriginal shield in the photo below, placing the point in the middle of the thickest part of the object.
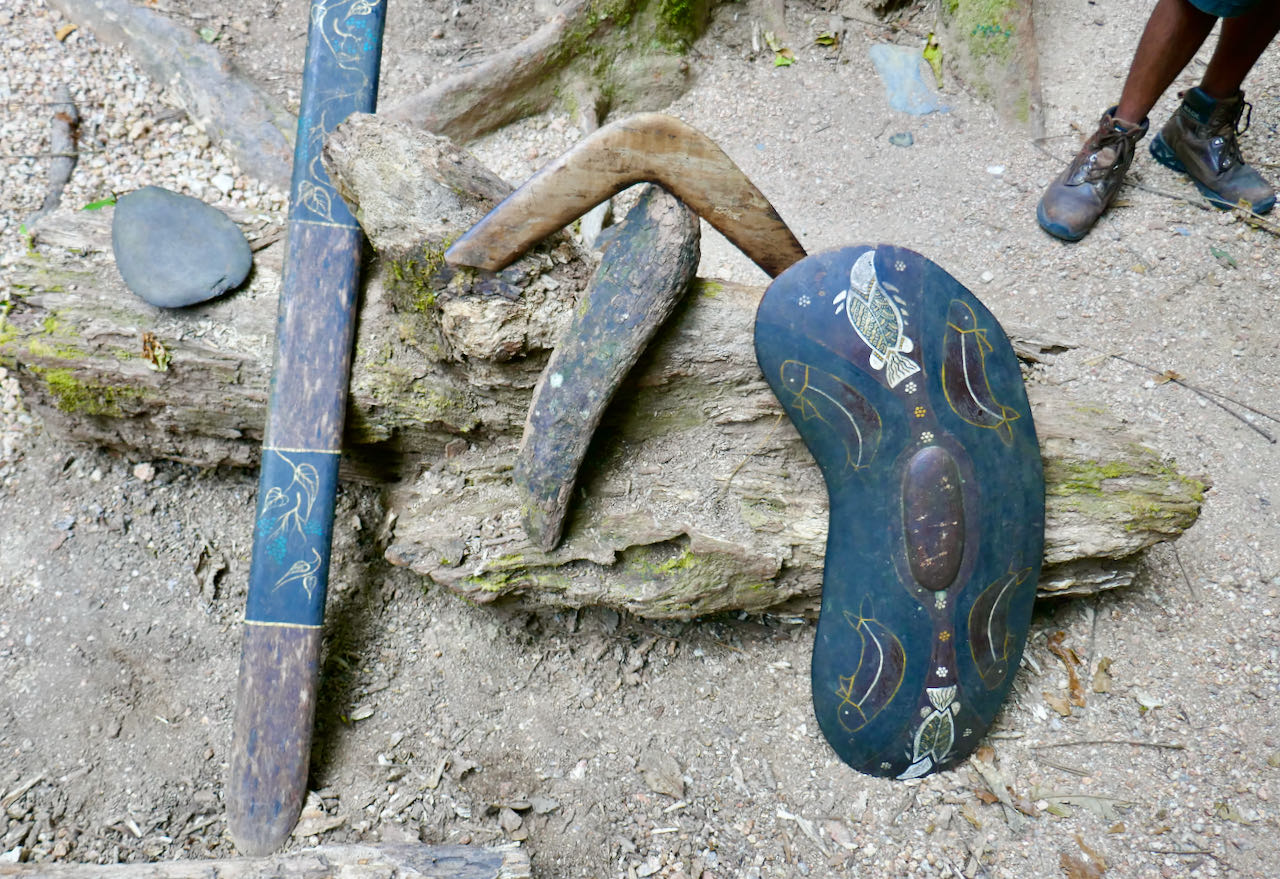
(908, 394)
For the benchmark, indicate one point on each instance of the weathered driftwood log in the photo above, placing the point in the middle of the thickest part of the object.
(620, 55)
(228, 107)
(349, 861)
(697, 496)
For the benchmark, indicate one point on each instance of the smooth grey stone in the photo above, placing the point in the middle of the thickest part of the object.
(174, 250)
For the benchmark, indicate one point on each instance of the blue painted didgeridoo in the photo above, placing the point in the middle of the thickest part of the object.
(279, 665)
(909, 396)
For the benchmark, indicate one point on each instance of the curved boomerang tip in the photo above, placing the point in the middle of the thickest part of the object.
(648, 147)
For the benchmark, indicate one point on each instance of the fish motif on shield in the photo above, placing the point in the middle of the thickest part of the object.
(881, 666)
(964, 373)
(820, 396)
(989, 639)
(878, 320)
(936, 733)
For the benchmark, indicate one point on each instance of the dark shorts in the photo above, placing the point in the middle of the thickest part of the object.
(1226, 8)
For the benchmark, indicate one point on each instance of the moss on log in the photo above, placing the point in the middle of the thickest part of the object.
(992, 45)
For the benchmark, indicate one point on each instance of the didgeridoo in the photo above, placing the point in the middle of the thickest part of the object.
(279, 665)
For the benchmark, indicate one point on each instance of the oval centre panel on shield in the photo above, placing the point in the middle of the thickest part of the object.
(933, 517)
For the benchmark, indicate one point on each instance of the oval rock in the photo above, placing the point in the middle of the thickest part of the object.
(174, 250)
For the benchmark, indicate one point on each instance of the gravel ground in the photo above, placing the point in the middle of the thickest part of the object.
(613, 746)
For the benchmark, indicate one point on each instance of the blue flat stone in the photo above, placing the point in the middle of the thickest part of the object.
(905, 75)
(174, 250)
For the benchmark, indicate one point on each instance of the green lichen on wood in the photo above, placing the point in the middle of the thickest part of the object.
(1143, 492)
(674, 580)
(413, 279)
(680, 22)
(406, 398)
(513, 572)
(51, 341)
(1065, 477)
(707, 287)
(622, 48)
(77, 396)
(987, 27)
(762, 514)
(8, 334)
(668, 579)
(992, 44)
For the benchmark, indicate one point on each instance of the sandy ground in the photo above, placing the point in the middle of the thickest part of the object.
(615, 746)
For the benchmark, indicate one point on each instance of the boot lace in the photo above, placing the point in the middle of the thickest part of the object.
(1113, 149)
(1225, 130)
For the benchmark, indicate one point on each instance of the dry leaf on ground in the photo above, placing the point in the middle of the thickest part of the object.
(1060, 704)
(1071, 661)
(1090, 865)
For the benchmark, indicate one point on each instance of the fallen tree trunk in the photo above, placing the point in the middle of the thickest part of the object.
(617, 56)
(349, 861)
(232, 110)
(697, 496)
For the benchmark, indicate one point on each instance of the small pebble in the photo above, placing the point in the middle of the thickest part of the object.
(509, 820)
(902, 139)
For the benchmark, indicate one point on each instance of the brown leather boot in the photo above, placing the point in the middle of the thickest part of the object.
(1072, 203)
(1200, 141)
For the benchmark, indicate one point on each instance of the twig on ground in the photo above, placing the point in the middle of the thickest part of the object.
(1246, 406)
(1195, 201)
(1188, 852)
(1212, 397)
(907, 802)
(62, 136)
(1255, 219)
(18, 792)
(1172, 746)
(1195, 593)
(1185, 852)
(1061, 766)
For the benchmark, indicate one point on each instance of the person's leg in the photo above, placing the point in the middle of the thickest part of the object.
(1074, 201)
(1173, 35)
(1201, 138)
(1240, 45)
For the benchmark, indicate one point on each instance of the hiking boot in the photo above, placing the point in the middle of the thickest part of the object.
(1072, 203)
(1200, 141)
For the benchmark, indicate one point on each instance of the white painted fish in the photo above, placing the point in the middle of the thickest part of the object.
(936, 733)
(877, 320)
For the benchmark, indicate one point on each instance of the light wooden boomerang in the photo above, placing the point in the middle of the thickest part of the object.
(645, 148)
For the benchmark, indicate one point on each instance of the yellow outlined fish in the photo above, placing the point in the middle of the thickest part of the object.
(823, 397)
(964, 374)
(881, 665)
